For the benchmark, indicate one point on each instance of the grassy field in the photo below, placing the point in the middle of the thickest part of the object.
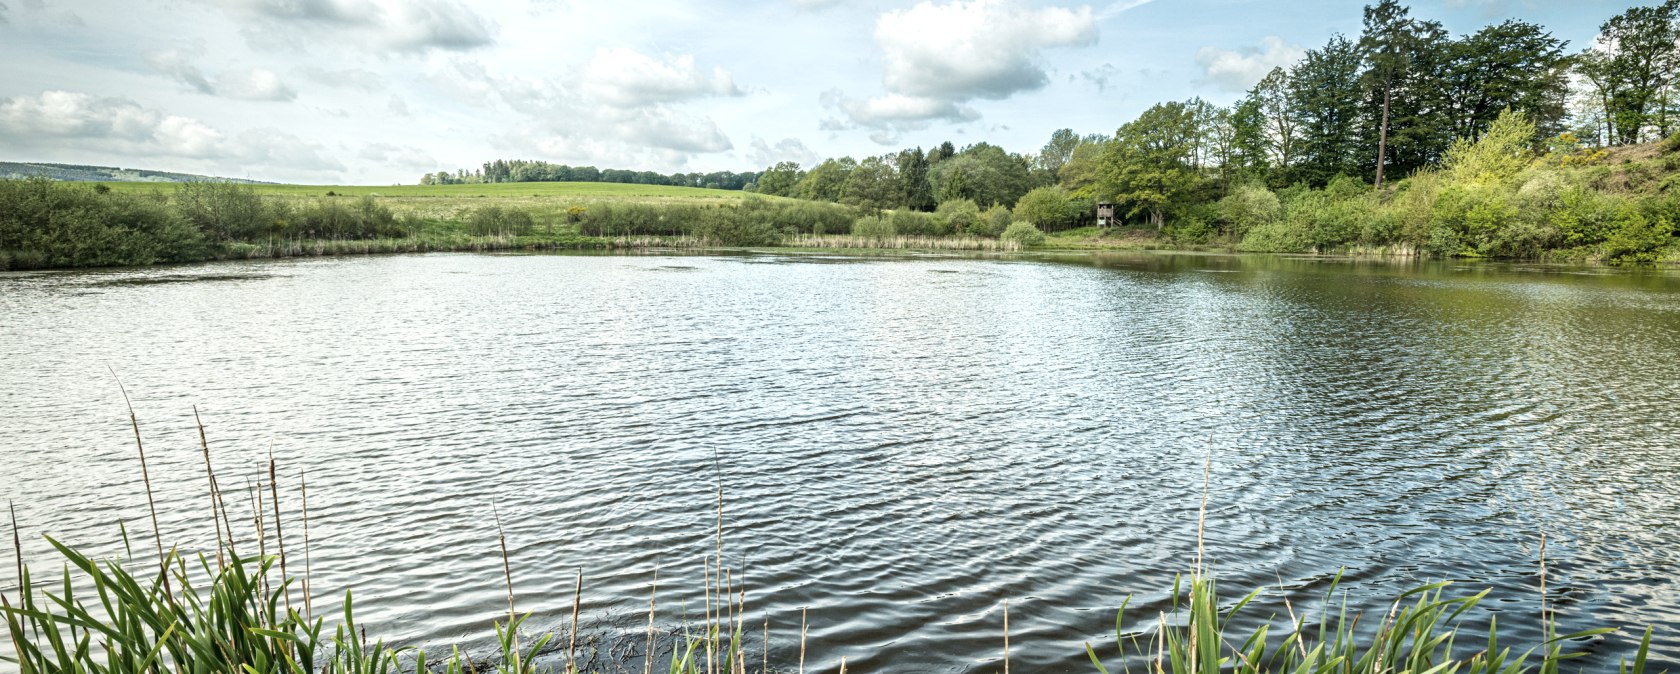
(528, 190)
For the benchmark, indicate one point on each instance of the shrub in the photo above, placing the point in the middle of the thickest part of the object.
(1637, 237)
(1246, 207)
(1024, 233)
(874, 227)
(498, 221)
(913, 223)
(1048, 207)
(993, 221)
(961, 215)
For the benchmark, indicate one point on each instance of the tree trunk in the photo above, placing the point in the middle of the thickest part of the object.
(1382, 134)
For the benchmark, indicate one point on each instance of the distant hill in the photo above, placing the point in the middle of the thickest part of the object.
(76, 172)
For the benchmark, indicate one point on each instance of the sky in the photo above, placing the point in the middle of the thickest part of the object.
(382, 91)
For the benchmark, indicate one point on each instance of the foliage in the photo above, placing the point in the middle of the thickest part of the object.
(1047, 207)
(46, 224)
(1148, 166)
(1247, 207)
(983, 173)
(962, 216)
(1024, 233)
(912, 223)
(874, 227)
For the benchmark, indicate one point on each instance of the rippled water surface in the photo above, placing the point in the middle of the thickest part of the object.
(904, 442)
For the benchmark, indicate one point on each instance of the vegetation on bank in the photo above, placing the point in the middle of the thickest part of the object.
(1353, 149)
(238, 609)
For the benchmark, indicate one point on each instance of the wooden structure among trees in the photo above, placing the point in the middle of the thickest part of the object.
(1105, 214)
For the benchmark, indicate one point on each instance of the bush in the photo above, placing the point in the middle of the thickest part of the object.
(874, 227)
(1048, 207)
(993, 221)
(498, 221)
(1246, 207)
(364, 219)
(912, 223)
(1637, 237)
(227, 212)
(962, 216)
(1024, 233)
(50, 224)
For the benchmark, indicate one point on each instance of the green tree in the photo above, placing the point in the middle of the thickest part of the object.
(1513, 65)
(1273, 101)
(780, 180)
(874, 185)
(1149, 165)
(1636, 59)
(1398, 49)
(1047, 207)
(982, 172)
(913, 174)
(1059, 150)
(1323, 99)
(827, 181)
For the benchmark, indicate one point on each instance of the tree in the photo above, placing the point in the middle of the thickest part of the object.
(780, 180)
(1390, 44)
(1273, 101)
(1149, 164)
(1323, 99)
(913, 173)
(1084, 167)
(873, 185)
(982, 172)
(826, 182)
(1059, 150)
(1248, 138)
(1047, 207)
(1635, 61)
(1514, 65)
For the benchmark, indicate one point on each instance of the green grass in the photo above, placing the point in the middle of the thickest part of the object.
(585, 191)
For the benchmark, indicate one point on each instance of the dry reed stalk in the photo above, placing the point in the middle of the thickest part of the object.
(1547, 631)
(842, 664)
(308, 601)
(764, 666)
(802, 628)
(210, 478)
(1201, 519)
(706, 582)
(146, 476)
(1300, 644)
(577, 600)
(653, 596)
(729, 599)
(262, 530)
(1161, 645)
(1005, 636)
(279, 538)
(507, 574)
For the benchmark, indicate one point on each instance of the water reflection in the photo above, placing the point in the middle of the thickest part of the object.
(906, 440)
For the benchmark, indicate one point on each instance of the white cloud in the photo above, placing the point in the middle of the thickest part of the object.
(59, 120)
(1239, 69)
(256, 84)
(407, 157)
(565, 122)
(977, 49)
(626, 78)
(938, 57)
(348, 78)
(816, 4)
(787, 149)
(400, 25)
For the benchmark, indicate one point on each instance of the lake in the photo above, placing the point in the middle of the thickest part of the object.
(903, 442)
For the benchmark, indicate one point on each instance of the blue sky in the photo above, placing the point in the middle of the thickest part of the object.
(381, 91)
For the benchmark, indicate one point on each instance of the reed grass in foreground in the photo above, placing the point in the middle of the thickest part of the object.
(227, 612)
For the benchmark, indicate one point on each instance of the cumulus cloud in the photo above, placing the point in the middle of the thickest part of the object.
(763, 153)
(58, 120)
(977, 49)
(1102, 77)
(406, 157)
(939, 57)
(564, 121)
(400, 25)
(1239, 69)
(627, 78)
(256, 84)
(348, 78)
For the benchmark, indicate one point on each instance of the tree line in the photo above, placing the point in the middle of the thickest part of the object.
(538, 171)
(1349, 118)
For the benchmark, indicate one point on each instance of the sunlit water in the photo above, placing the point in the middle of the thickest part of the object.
(904, 442)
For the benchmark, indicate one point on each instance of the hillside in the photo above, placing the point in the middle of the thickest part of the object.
(80, 173)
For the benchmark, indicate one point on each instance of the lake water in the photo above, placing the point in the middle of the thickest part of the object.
(904, 442)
